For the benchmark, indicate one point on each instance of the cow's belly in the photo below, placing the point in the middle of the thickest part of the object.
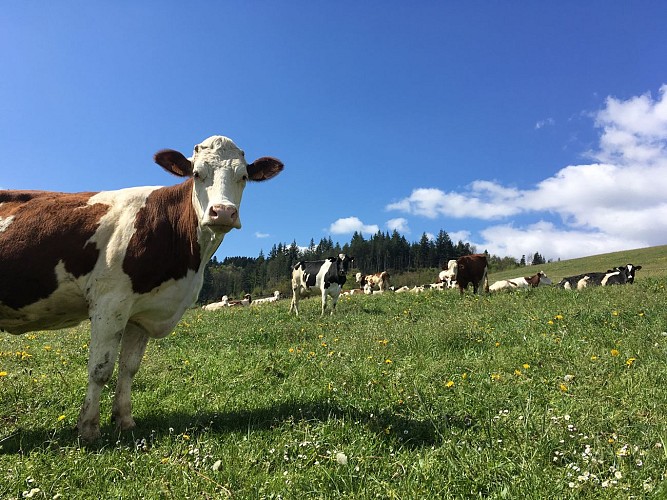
(159, 311)
(64, 308)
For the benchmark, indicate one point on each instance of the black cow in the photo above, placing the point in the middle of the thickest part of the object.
(327, 275)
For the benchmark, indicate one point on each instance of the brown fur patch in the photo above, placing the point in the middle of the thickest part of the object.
(47, 228)
(164, 245)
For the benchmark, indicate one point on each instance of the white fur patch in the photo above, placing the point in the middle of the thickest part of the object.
(5, 222)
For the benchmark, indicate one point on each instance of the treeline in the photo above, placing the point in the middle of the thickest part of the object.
(260, 276)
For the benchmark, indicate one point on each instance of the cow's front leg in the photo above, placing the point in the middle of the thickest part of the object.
(133, 346)
(324, 301)
(102, 358)
(294, 306)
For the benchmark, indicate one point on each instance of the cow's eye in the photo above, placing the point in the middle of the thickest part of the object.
(195, 175)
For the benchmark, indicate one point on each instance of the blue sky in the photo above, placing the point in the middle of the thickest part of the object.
(516, 126)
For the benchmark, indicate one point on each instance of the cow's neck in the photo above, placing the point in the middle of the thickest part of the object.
(168, 242)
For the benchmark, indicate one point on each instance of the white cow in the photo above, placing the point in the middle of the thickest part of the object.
(266, 300)
(448, 276)
(216, 306)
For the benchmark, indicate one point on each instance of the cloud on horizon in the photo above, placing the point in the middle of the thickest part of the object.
(349, 225)
(617, 202)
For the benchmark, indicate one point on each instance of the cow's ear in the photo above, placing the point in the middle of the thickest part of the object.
(174, 162)
(264, 168)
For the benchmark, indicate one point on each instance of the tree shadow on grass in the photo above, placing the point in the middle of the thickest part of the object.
(383, 424)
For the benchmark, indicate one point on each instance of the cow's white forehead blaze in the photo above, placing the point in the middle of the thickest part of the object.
(220, 173)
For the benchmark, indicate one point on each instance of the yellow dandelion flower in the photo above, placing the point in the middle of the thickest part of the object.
(449, 383)
(3, 374)
(324, 344)
(388, 361)
(47, 347)
(497, 344)
(517, 372)
(558, 316)
(495, 376)
(614, 313)
(563, 387)
(550, 322)
(291, 349)
(525, 366)
(630, 361)
(464, 375)
(614, 352)
(594, 357)
(61, 418)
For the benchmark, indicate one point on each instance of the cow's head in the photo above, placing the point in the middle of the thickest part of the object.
(344, 262)
(219, 172)
(631, 270)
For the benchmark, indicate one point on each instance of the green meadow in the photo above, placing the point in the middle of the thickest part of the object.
(542, 393)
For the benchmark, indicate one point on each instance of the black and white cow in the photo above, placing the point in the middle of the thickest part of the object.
(327, 275)
(617, 276)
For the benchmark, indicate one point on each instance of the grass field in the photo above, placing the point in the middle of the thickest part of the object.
(543, 393)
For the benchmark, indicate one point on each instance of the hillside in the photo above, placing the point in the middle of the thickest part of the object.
(653, 261)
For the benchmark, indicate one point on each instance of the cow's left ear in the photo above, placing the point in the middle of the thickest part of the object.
(174, 162)
(264, 168)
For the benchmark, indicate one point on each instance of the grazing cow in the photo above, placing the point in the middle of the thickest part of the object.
(527, 282)
(377, 281)
(616, 276)
(472, 269)
(327, 275)
(131, 260)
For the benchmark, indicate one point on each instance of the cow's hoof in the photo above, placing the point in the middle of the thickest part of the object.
(124, 423)
(89, 432)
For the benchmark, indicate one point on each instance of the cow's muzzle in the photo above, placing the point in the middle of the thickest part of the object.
(223, 217)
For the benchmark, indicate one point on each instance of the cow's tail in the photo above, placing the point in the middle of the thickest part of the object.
(485, 279)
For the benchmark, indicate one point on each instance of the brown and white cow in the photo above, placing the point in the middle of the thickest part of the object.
(377, 281)
(472, 269)
(538, 279)
(131, 260)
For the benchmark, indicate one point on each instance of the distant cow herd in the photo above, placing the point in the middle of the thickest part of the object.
(328, 276)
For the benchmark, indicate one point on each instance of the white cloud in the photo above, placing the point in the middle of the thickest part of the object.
(483, 200)
(457, 236)
(544, 123)
(261, 235)
(349, 225)
(617, 203)
(399, 224)
(550, 241)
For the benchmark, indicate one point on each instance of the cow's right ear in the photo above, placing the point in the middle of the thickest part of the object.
(174, 162)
